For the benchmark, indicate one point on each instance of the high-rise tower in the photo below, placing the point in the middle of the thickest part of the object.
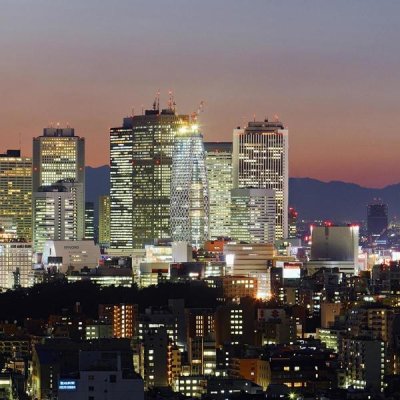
(377, 219)
(16, 192)
(219, 175)
(104, 221)
(189, 189)
(141, 163)
(260, 160)
(59, 155)
(54, 214)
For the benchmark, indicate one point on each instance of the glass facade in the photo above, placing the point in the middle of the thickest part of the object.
(141, 163)
(219, 175)
(16, 192)
(189, 189)
(121, 194)
(153, 144)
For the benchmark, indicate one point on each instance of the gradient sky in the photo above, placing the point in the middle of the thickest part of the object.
(329, 69)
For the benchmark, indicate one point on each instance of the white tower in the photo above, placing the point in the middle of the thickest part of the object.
(260, 161)
(189, 189)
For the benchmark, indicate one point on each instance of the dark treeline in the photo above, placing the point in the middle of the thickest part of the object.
(51, 298)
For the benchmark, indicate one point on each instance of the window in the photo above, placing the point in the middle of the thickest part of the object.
(113, 378)
(91, 377)
(91, 388)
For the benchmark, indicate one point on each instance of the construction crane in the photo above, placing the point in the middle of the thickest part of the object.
(196, 113)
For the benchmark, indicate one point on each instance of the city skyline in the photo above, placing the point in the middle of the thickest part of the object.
(330, 81)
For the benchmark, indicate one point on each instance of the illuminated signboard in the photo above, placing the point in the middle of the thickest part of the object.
(67, 385)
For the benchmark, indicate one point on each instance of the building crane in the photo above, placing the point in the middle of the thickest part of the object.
(199, 110)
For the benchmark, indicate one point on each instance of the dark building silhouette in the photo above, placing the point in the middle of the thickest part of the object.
(377, 218)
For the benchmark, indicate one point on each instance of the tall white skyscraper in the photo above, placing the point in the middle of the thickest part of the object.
(260, 160)
(219, 175)
(59, 155)
(55, 214)
(189, 188)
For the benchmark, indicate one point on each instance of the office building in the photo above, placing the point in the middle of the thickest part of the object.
(15, 261)
(55, 214)
(64, 255)
(140, 177)
(59, 155)
(121, 193)
(334, 247)
(89, 221)
(254, 260)
(189, 208)
(253, 215)
(377, 219)
(219, 175)
(260, 160)
(104, 221)
(335, 243)
(293, 216)
(16, 192)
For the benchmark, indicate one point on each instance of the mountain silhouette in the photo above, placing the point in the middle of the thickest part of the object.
(313, 199)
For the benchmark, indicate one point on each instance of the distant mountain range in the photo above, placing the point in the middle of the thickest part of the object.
(313, 199)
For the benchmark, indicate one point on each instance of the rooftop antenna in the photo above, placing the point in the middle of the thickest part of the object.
(19, 140)
(276, 118)
(142, 109)
(254, 117)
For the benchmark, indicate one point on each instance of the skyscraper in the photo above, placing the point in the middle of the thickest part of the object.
(377, 218)
(16, 192)
(260, 160)
(253, 215)
(140, 175)
(219, 175)
(54, 214)
(189, 188)
(89, 220)
(292, 222)
(121, 194)
(60, 155)
(104, 221)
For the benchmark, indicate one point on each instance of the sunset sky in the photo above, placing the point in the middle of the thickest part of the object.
(329, 69)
